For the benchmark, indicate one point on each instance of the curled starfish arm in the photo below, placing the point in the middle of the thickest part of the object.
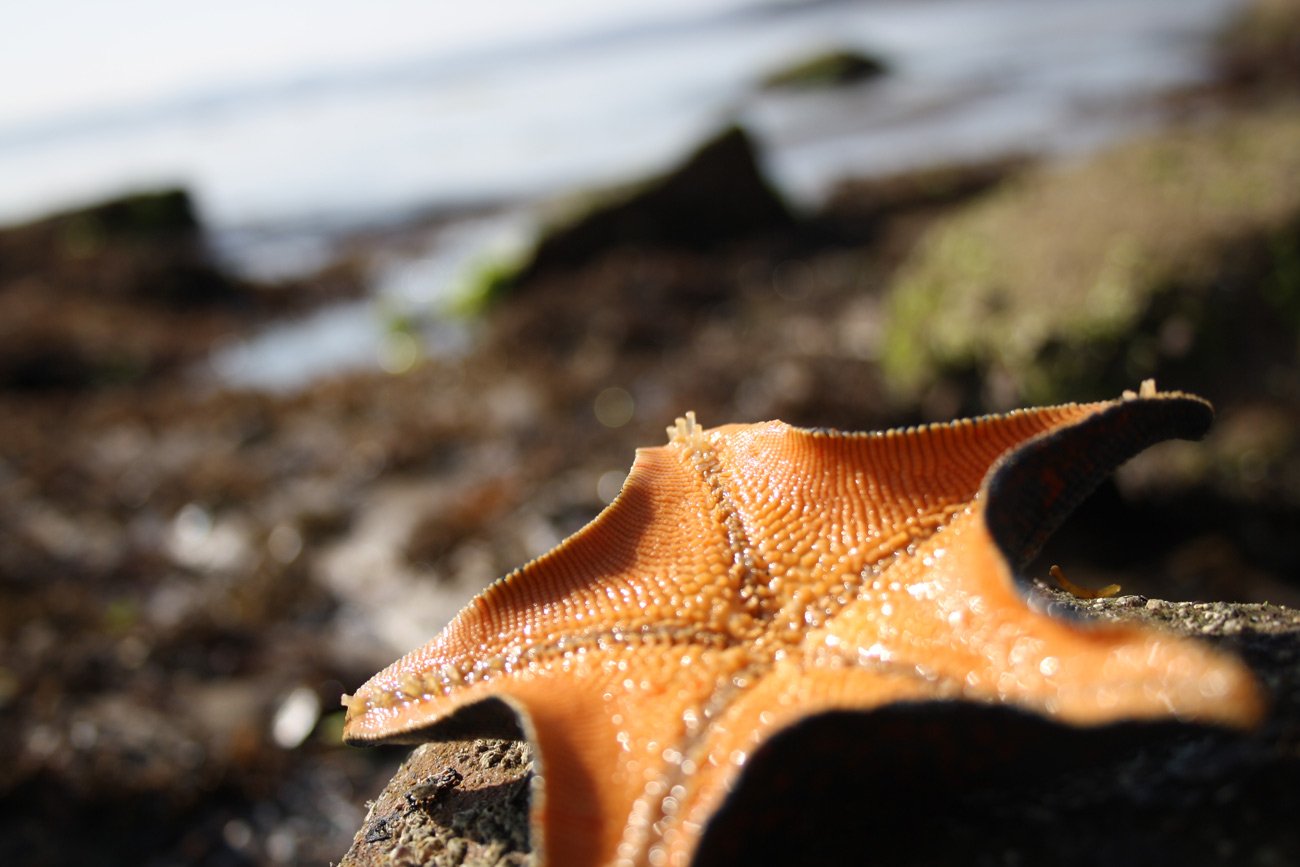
(955, 610)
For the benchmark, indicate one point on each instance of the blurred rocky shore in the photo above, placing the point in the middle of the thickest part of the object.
(190, 575)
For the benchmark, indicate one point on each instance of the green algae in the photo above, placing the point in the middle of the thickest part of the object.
(1065, 281)
(828, 69)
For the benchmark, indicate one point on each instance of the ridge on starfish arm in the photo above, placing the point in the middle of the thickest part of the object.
(749, 577)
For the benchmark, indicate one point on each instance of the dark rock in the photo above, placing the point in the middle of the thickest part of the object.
(151, 215)
(718, 195)
(446, 806)
(121, 291)
(146, 247)
(1260, 48)
(109, 294)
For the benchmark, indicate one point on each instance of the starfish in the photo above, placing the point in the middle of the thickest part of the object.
(749, 577)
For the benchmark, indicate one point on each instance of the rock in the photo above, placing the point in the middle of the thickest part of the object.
(146, 246)
(451, 803)
(108, 294)
(717, 195)
(940, 783)
(1173, 257)
(828, 69)
(121, 291)
(1261, 46)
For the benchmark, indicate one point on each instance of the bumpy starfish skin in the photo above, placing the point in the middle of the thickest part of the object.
(750, 575)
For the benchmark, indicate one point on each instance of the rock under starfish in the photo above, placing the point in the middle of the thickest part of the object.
(750, 577)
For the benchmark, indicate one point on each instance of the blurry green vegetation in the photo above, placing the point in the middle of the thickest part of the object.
(1077, 281)
(399, 322)
(828, 69)
(121, 615)
(487, 281)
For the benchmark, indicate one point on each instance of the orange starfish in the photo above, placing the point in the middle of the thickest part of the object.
(749, 576)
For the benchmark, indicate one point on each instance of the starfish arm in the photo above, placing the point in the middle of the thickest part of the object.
(604, 652)
(954, 608)
(610, 728)
(610, 744)
(652, 567)
(954, 613)
(1037, 484)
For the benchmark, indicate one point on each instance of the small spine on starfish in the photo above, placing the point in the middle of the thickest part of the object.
(1146, 389)
(381, 698)
(684, 430)
(410, 685)
(361, 701)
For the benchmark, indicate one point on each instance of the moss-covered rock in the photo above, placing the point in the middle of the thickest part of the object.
(828, 69)
(718, 194)
(1174, 255)
(122, 290)
(154, 214)
(146, 246)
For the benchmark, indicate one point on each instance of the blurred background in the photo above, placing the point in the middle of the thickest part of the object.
(315, 318)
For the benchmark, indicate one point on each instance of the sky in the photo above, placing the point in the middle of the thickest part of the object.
(70, 57)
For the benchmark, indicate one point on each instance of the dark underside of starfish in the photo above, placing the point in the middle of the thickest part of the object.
(752, 582)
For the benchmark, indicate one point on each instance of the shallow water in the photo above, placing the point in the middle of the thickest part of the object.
(408, 317)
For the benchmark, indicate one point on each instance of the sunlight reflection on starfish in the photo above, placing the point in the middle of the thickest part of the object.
(749, 576)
